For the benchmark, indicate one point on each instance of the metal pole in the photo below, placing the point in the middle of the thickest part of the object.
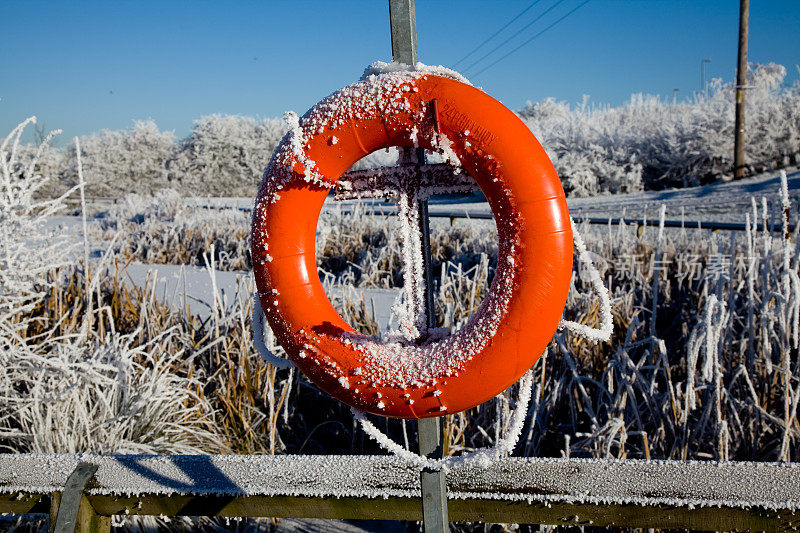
(703, 86)
(434, 488)
(403, 20)
(425, 233)
(434, 491)
(741, 82)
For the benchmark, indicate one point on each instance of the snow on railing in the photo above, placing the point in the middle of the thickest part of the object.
(634, 493)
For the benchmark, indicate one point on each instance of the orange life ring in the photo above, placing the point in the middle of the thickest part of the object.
(527, 296)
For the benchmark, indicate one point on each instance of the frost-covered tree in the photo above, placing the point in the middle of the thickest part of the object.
(225, 155)
(118, 162)
(651, 144)
(646, 143)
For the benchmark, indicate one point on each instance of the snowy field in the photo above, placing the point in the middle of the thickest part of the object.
(191, 285)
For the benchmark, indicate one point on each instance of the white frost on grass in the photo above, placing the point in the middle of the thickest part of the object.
(76, 389)
(28, 252)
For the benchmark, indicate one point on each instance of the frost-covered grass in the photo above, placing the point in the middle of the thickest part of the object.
(647, 143)
(705, 360)
(704, 363)
(163, 229)
(83, 368)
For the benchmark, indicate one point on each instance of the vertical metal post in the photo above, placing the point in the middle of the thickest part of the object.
(434, 491)
(741, 82)
(425, 234)
(403, 20)
(703, 85)
(434, 488)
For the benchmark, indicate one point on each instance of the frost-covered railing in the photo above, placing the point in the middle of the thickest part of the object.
(633, 493)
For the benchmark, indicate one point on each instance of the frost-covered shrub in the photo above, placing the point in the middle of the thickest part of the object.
(225, 155)
(645, 143)
(118, 162)
(773, 116)
(587, 162)
(47, 162)
(114, 396)
(70, 380)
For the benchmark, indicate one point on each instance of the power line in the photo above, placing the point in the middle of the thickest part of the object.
(528, 25)
(509, 23)
(531, 39)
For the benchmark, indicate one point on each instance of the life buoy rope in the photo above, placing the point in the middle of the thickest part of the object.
(505, 445)
(524, 305)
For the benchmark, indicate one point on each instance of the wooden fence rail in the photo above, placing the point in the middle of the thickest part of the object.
(633, 493)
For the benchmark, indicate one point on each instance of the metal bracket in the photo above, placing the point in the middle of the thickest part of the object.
(70, 501)
(386, 182)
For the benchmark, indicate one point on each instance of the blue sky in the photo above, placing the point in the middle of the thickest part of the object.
(85, 66)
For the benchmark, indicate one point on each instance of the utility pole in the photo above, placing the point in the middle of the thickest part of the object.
(674, 96)
(741, 82)
(703, 86)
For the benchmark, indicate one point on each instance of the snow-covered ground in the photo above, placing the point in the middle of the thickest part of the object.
(192, 286)
(722, 201)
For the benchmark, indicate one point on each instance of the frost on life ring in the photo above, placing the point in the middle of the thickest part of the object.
(521, 312)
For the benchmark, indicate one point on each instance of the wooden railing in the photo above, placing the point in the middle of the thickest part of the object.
(81, 492)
